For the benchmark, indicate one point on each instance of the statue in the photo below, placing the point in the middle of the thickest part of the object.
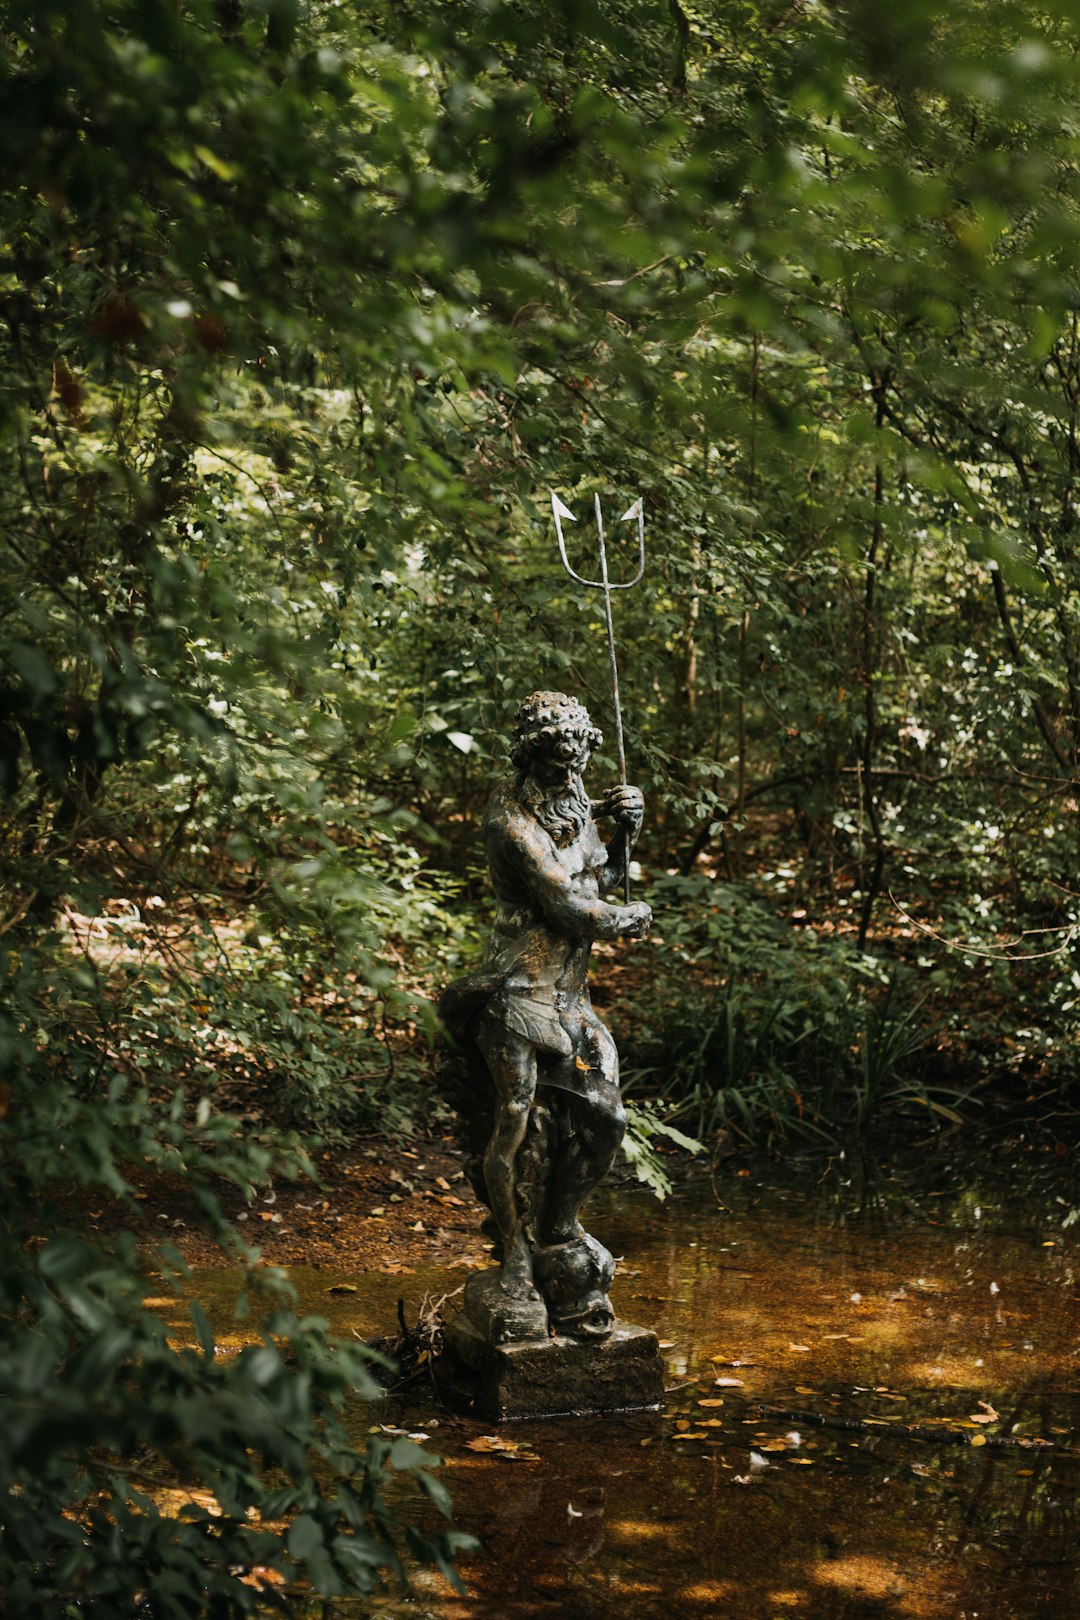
(532, 1071)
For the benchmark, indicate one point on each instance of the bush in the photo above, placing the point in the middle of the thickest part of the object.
(771, 1032)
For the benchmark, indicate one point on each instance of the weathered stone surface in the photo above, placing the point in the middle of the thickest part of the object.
(530, 1069)
(498, 1317)
(552, 1377)
(534, 1077)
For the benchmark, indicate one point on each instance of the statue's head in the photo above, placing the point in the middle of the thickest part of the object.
(553, 729)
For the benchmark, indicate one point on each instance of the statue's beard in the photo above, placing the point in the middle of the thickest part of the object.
(562, 812)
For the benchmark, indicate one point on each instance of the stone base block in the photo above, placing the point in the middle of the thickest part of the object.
(554, 1377)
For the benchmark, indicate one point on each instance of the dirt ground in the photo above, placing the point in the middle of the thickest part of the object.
(382, 1206)
(377, 1207)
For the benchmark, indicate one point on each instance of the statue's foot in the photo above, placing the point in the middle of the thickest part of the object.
(515, 1273)
(500, 1315)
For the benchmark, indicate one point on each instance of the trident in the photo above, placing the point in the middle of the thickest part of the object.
(604, 584)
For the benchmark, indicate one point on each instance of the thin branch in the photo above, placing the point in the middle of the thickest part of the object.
(1005, 952)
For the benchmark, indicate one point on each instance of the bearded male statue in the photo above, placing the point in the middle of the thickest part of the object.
(532, 1072)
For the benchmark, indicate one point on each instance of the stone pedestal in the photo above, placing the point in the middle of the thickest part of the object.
(550, 1376)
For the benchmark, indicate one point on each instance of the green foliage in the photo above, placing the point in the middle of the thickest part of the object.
(140, 1475)
(645, 1129)
(107, 1419)
(776, 1035)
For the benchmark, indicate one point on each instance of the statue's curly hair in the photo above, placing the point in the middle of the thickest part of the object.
(542, 719)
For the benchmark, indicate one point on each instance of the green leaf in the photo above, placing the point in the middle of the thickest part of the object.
(305, 1539)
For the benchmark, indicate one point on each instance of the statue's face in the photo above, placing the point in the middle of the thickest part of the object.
(568, 757)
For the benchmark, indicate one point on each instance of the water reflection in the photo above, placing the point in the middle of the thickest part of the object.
(894, 1356)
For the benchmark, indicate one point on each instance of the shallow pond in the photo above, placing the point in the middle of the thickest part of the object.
(828, 1508)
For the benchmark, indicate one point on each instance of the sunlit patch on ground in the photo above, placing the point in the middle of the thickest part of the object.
(866, 1575)
(707, 1591)
(638, 1529)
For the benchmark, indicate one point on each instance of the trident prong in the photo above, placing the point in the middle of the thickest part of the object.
(637, 510)
(559, 511)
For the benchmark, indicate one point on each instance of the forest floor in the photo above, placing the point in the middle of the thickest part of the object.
(382, 1204)
(378, 1206)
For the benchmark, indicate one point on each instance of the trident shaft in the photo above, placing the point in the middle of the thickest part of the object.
(607, 585)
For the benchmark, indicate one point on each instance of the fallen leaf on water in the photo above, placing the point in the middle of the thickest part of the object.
(728, 1383)
(1024, 1473)
(667, 1344)
(978, 1440)
(805, 1347)
(716, 1402)
(691, 1434)
(802, 1389)
(802, 1462)
(493, 1443)
(986, 1414)
(342, 1288)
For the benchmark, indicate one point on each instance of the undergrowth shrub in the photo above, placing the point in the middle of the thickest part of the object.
(142, 1471)
(768, 1031)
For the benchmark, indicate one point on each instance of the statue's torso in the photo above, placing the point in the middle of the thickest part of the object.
(543, 970)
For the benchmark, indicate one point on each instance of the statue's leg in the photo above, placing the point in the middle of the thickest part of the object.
(511, 1060)
(591, 1128)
